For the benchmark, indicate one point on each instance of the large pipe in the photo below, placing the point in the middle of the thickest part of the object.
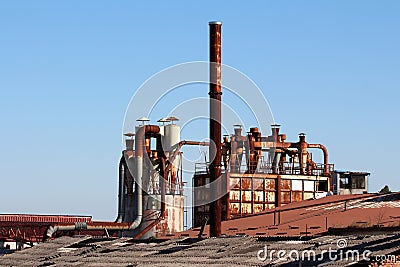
(215, 126)
(138, 172)
(325, 151)
(121, 190)
(163, 202)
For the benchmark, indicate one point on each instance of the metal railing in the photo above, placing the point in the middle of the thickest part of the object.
(288, 168)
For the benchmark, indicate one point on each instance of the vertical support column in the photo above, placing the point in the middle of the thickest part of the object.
(215, 127)
(278, 190)
(227, 196)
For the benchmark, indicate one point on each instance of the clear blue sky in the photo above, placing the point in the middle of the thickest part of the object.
(69, 68)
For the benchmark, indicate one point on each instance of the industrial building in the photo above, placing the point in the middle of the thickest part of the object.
(258, 189)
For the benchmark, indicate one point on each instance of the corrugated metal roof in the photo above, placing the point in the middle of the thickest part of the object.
(368, 222)
(228, 251)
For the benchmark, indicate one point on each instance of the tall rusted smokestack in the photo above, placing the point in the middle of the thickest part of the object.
(215, 126)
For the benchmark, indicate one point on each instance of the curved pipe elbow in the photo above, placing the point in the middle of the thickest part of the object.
(323, 148)
(325, 151)
(50, 232)
(135, 224)
(119, 219)
(53, 229)
(140, 136)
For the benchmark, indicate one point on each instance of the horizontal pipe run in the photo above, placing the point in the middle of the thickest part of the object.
(178, 146)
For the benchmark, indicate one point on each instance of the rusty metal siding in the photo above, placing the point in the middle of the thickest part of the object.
(254, 193)
(44, 218)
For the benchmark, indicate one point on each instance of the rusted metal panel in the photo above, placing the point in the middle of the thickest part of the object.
(246, 183)
(234, 195)
(285, 196)
(260, 190)
(258, 196)
(234, 183)
(173, 217)
(269, 184)
(246, 208)
(285, 184)
(258, 184)
(234, 208)
(246, 195)
(297, 196)
(176, 213)
(270, 197)
(270, 206)
(258, 208)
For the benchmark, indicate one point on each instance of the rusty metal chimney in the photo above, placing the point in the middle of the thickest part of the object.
(215, 126)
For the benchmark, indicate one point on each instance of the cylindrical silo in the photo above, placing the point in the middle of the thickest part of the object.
(172, 136)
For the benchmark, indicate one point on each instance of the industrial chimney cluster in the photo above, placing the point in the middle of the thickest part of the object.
(247, 173)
